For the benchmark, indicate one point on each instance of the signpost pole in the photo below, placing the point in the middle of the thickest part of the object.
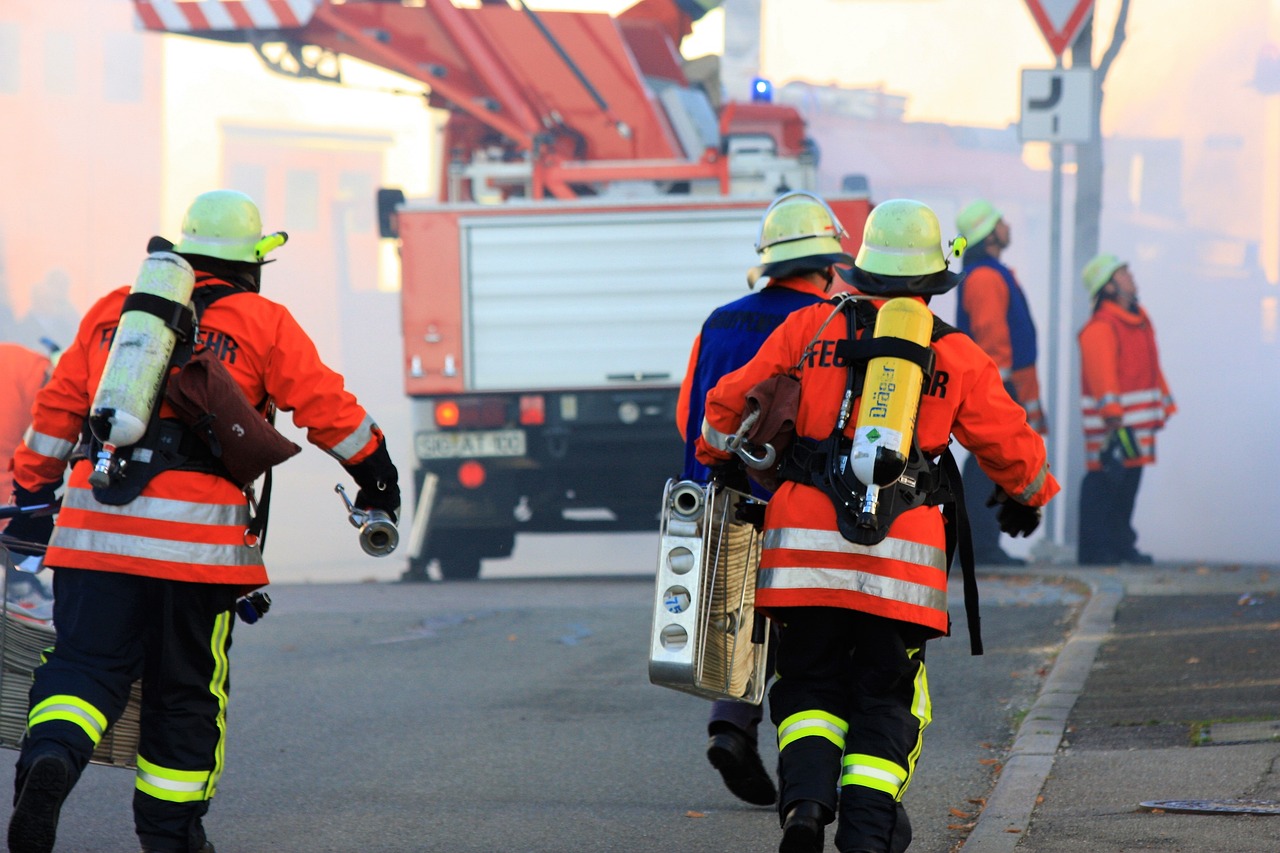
(1054, 528)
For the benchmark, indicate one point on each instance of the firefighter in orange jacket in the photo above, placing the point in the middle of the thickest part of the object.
(1125, 400)
(22, 373)
(172, 560)
(992, 308)
(851, 699)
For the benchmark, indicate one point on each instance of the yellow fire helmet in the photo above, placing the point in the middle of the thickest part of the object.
(902, 252)
(1099, 271)
(226, 224)
(977, 220)
(798, 232)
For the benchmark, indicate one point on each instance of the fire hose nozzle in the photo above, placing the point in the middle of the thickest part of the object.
(379, 535)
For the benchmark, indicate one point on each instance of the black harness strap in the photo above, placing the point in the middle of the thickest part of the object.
(175, 315)
(817, 463)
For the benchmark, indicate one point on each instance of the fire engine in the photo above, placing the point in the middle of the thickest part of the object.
(595, 203)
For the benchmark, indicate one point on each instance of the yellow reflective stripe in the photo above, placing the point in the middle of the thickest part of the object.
(218, 687)
(174, 786)
(872, 772)
(714, 437)
(71, 709)
(48, 445)
(187, 786)
(142, 547)
(354, 443)
(922, 710)
(163, 509)
(812, 723)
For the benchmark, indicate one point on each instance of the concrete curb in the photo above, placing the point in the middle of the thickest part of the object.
(1007, 814)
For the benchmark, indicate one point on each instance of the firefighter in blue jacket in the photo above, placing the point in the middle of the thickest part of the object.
(798, 246)
(992, 309)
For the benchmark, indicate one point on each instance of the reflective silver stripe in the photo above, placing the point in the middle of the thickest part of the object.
(1037, 483)
(1006, 373)
(48, 445)
(163, 509)
(70, 709)
(354, 443)
(1145, 395)
(1099, 402)
(171, 784)
(714, 437)
(852, 580)
(815, 726)
(810, 539)
(149, 548)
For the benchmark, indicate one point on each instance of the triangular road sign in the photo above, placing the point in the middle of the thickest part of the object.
(1060, 20)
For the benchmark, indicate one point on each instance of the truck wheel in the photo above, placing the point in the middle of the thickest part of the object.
(460, 565)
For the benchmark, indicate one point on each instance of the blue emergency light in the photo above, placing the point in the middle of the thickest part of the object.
(761, 90)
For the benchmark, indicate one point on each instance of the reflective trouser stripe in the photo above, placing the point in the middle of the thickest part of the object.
(922, 710)
(812, 723)
(218, 687)
(871, 772)
(72, 710)
(187, 786)
(880, 774)
(174, 786)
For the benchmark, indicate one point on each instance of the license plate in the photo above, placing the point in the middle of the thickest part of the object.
(456, 445)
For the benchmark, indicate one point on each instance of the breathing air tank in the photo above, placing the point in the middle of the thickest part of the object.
(890, 401)
(137, 363)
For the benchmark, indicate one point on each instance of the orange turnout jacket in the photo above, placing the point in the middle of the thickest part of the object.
(22, 372)
(186, 525)
(805, 560)
(1121, 379)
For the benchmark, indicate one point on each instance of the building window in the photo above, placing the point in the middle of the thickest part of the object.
(9, 59)
(122, 82)
(60, 64)
(357, 192)
(302, 199)
(251, 180)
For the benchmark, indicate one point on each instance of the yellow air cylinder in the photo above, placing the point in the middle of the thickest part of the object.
(890, 399)
(138, 362)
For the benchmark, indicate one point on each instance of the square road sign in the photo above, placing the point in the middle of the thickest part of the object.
(1057, 105)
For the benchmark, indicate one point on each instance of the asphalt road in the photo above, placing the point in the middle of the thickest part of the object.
(516, 715)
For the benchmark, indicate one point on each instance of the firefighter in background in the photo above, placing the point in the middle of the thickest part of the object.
(173, 560)
(851, 698)
(23, 372)
(1125, 400)
(992, 309)
(798, 247)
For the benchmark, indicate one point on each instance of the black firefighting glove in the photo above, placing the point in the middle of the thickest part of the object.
(731, 475)
(379, 482)
(35, 527)
(1014, 518)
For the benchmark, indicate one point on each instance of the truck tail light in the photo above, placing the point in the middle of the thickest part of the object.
(471, 474)
(447, 414)
(533, 410)
(473, 413)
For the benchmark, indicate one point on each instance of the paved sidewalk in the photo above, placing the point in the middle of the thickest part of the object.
(1167, 692)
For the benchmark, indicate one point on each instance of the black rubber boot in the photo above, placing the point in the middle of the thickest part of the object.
(732, 753)
(34, 824)
(803, 828)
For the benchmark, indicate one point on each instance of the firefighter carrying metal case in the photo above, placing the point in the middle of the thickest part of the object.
(707, 638)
